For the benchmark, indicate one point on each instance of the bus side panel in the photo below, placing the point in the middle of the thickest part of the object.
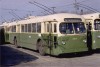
(11, 37)
(28, 40)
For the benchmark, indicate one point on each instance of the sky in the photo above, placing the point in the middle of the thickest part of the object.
(16, 9)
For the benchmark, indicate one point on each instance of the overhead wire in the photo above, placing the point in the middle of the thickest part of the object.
(41, 7)
(16, 9)
(3, 18)
(70, 4)
(88, 7)
(44, 6)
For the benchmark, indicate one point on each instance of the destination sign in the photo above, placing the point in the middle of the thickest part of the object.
(72, 19)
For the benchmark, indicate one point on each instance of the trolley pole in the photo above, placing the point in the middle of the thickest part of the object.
(53, 9)
(76, 6)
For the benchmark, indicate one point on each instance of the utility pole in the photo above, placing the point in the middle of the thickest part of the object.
(76, 6)
(53, 9)
(81, 12)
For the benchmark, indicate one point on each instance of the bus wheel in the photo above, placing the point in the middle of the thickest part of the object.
(41, 48)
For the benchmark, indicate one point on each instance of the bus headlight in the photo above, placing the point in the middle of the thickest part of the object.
(94, 41)
(84, 41)
(63, 43)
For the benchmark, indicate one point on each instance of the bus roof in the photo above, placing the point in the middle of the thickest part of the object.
(54, 17)
(92, 16)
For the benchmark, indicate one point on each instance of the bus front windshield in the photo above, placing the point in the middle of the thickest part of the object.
(97, 24)
(71, 28)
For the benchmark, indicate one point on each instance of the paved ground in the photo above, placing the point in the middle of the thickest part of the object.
(11, 57)
(19, 57)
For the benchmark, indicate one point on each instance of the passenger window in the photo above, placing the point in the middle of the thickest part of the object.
(34, 27)
(13, 28)
(10, 28)
(39, 27)
(25, 27)
(22, 28)
(29, 27)
(49, 27)
(55, 28)
(97, 24)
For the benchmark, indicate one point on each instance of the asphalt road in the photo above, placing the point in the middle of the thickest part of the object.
(20, 57)
(11, 57)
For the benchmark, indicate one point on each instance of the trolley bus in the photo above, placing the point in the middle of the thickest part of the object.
(52, 34)
(93, 27)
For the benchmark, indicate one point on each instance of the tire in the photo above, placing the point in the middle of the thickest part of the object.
(41, 48)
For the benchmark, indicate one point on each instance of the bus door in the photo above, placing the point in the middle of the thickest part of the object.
(50, 28)
(89, 37)
(48, 35)
(55, 41)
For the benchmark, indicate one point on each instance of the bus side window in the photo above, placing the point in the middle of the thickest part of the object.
(39, 27)
(13, 28)
(22, 28)
(29, 27)
(25, 27)
(55, 28)
(47, 28)
(9, 29)
(34, 27)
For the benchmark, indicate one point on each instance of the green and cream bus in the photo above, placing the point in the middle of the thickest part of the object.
(52, 34)
(93, 25)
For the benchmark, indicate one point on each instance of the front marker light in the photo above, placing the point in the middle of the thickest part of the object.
(84, 41)
(63, 43)
(94, 41)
